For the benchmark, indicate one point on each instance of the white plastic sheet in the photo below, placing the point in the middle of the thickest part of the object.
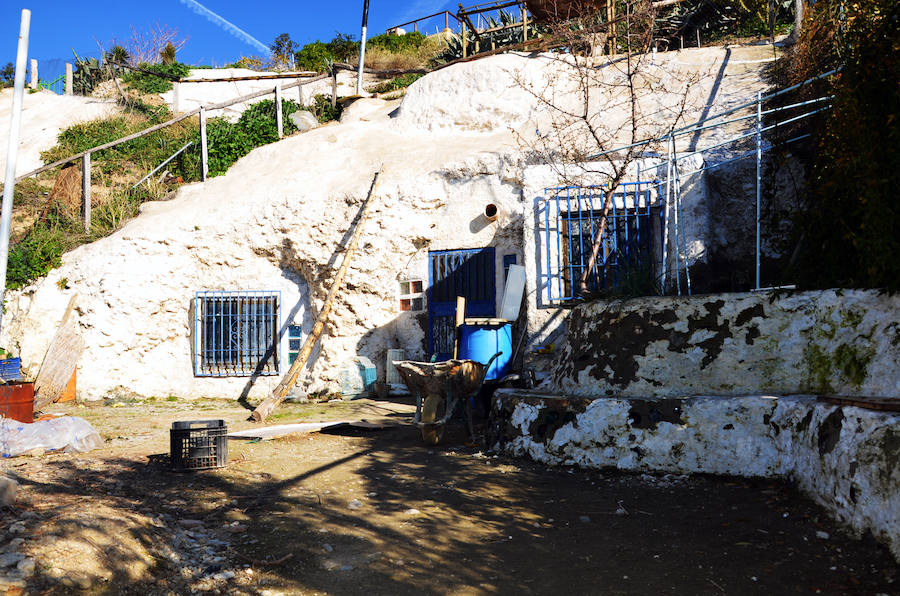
(69, 433)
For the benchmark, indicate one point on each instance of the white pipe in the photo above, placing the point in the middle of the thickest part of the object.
(758, 176)
(12, 148)
(362, 62)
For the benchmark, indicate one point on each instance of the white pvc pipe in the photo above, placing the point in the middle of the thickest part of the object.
(9, 183)
(362, 62)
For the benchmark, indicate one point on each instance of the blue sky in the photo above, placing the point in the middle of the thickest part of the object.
(58, 27)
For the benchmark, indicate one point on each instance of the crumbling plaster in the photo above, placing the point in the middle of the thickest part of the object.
(847, 459)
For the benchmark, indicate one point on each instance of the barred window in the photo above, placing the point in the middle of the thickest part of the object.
(236, 333)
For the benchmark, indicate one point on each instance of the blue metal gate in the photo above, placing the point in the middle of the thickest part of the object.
(468, 273)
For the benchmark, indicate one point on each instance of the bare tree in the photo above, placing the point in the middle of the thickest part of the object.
(148, 46)
(613, 106)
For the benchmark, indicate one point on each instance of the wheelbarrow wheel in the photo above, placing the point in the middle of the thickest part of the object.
(433, 410)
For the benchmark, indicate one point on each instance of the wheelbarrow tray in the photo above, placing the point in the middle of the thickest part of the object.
(453, 380)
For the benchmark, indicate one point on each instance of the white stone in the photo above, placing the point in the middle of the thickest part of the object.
(304, 120)
(8, 490)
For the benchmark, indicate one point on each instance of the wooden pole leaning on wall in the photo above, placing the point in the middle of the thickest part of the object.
(70, 79)
(86, 191)
(35, 81)
(204, 149)
(265, 408)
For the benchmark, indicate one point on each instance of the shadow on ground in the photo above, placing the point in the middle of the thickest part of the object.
(374, 512)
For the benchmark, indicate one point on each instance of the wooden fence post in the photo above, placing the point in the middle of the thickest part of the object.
(34, 75)
(278, 116)
(86, 190)
(70, 80)
(524, 23)
(204, 152)
(463, 37)
(611, 30)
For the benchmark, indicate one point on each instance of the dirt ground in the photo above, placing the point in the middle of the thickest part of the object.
(356, 511)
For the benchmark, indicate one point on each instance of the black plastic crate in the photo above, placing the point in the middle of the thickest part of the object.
(198, 445)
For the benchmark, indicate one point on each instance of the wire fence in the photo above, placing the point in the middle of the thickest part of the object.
(666, 259)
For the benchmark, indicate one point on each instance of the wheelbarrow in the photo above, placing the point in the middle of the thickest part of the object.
(439, 388)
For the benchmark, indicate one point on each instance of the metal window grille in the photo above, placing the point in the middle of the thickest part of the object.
(236, 333)
(630, 246)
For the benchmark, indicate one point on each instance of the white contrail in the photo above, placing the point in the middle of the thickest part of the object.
(227, 26)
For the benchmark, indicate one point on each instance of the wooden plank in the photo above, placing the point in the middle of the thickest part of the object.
(60, 361)
(296, 75)
(884, 404)
(263, 410)
(460, 321)
(271, 432)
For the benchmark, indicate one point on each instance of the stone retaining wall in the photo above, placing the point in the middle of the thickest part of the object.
(847, 459)
(822, 342)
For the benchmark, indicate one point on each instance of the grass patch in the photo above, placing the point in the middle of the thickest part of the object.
(57, 228)
(400, 82)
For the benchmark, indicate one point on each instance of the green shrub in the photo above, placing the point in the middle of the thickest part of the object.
(343, 47)
(848, 233)
(147, 83)
(397, 44)
(228, 142)
(34, 256)
(398, 83)
(323, 110)
(314, 56)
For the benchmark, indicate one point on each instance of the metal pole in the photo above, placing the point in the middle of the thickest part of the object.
(279, 121)
(758, 175)
(204, 149)
(162, 165)
(362, 48)
(86, 190)
(12, 148)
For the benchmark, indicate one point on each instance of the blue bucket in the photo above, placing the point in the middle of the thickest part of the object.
(480, 341)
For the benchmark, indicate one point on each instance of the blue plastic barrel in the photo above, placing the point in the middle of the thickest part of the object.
(481, 341)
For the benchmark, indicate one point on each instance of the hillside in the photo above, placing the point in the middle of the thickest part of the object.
(44, 115)
(274, 221)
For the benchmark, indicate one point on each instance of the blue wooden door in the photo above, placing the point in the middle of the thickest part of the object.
(468, 273)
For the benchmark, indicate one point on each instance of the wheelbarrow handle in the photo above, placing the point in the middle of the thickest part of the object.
(488, 366)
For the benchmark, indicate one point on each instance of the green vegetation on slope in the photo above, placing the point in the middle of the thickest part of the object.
(58, 227)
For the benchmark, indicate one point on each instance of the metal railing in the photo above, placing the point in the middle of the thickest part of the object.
(631, 239)
(563, 258)
(415, 23)
(57, 85)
